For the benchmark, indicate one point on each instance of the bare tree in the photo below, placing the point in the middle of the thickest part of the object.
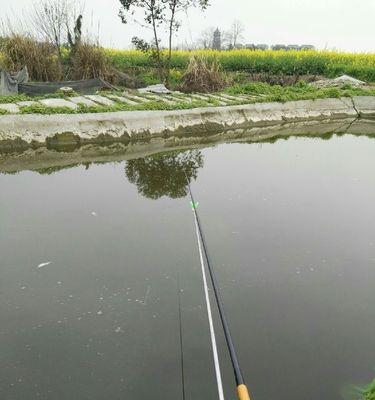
(235, 33)
(206, 38)
(52, 20)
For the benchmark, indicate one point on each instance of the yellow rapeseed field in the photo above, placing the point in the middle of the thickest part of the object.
(316, 62)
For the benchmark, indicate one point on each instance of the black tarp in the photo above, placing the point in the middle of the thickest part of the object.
(18, 83)
(87, 86)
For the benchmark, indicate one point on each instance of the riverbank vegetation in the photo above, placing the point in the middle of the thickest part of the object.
(369, 392)
(240, 94)
(91, 60)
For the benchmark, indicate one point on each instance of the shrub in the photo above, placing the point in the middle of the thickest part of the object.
(89, 61)
(203, 76)
(369, 393)
(13, 98)
(39, 57)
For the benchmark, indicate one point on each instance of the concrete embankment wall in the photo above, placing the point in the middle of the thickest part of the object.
(37, 130)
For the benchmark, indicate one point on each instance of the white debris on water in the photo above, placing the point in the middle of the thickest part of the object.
(44, 264)
(119, 330)
(100, 312)
(94, 214)
(144, 301)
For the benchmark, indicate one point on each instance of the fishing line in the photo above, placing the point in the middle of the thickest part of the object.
(210, 320)
(181, 339)
(242, 390)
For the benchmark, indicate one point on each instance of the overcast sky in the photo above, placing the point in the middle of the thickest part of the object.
(334, 24)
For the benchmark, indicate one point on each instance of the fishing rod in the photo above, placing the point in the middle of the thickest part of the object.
(242, 391)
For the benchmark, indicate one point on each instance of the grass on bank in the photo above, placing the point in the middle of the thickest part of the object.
(253, 92)
(83, 109)
(369, 392)
(300, 91)
(15, 98)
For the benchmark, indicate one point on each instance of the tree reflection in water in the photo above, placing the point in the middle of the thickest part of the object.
(164, 174)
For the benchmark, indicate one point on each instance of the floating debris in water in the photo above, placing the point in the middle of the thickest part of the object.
(94, 214)
(144, 301)
(119, 330)
(44, 264)
(100, 312)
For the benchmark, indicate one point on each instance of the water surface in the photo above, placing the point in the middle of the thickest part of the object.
(290, 228)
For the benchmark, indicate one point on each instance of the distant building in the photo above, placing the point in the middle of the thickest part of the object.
(293, 47)
(261, 46)
(279, 47)
(307, 47)
(252, 46)
(216, 41)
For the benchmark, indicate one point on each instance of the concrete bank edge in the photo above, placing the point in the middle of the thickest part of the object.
(38, 129)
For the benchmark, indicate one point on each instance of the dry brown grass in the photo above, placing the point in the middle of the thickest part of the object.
(89, 61)
(39, 57)
(203, 76)
(43, 64)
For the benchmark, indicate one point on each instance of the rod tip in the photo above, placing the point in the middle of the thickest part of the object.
(242, 392)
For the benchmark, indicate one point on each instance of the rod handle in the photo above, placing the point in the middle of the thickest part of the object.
(242, 392)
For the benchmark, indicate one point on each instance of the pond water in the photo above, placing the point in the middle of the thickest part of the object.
(92, 259)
